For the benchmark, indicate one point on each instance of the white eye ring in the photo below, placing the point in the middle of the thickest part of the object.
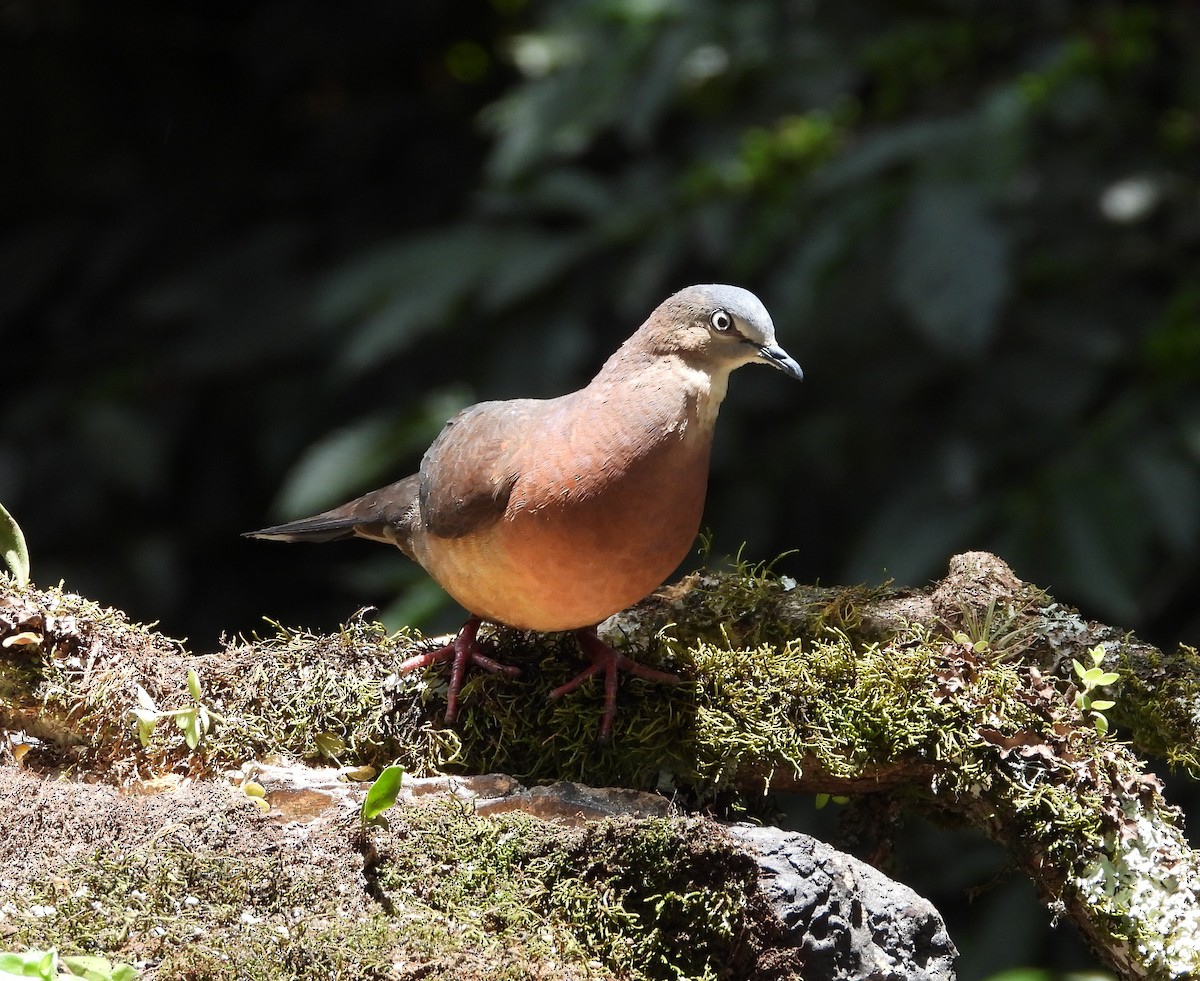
(721, 321)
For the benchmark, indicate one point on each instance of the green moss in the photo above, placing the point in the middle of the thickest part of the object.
(307, 688)
(962, 730)
(1156, 701)
(656, 899)
(455, 896)
(205, 915)
(842, 706)
(293, 694)
(751, 605)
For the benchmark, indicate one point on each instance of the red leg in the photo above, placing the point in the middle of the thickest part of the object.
(605, 659)
(464, 648)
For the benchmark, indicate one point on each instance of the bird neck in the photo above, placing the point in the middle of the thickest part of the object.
(682, 395)
(704, 391)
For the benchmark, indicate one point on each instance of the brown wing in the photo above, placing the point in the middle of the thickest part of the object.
(464, 484)
(468, 473)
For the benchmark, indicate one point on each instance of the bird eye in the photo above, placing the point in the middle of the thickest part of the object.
(721, 321)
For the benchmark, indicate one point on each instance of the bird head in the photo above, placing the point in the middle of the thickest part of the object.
(718, 328)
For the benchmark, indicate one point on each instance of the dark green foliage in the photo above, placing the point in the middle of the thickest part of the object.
(975, 226)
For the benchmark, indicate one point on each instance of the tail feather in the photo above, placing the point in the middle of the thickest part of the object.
(383, 515)
(316, 529)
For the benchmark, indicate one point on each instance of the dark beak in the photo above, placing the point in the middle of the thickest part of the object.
(777, 357)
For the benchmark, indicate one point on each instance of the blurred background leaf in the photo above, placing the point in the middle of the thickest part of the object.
(1039, 974)
(951, 268)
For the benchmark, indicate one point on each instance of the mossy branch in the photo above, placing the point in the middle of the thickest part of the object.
(959, 700)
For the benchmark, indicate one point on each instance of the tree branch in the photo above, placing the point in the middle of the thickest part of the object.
(960, 700)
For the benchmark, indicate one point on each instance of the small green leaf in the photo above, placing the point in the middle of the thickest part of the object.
(30, 964)
(1079, 668)
(145, 701)
(382, 793)
(330, 744)
(97, 969)
(145, 721)
(1101, 723)
(194, 684)
(1102, 704)
(189, 721)
(359, 774)
(13, 549)
(1108, 678)
(89, 967)
(257, 793)
(14, 964)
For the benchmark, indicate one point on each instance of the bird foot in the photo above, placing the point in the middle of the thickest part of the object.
(464, 649)
(605, 659)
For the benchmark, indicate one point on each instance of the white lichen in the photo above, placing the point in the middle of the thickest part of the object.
(1150, 884)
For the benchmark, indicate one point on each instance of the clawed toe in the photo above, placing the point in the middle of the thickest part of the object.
(611, 662)
(464, 649)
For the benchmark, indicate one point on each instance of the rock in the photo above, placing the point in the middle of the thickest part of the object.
(836, 918)
(573, 804)
(840, 919)
(847, 920)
